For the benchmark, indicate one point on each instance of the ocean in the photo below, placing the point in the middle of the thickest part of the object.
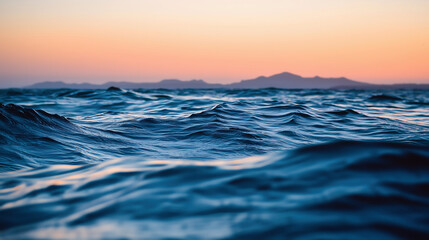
(214, 164)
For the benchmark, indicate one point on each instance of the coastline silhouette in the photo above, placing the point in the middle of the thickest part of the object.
(282, 80)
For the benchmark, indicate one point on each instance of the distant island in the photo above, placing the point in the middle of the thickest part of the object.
(282, 80)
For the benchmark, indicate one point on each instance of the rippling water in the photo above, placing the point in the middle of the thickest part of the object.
(216, 164)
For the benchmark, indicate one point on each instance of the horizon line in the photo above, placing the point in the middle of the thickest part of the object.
(135, 80)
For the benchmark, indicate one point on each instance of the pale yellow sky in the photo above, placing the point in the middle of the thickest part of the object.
(379, 41)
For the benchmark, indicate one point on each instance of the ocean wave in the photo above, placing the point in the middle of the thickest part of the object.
(384, 97)
(216, 163)
(295, 193)
(14, 114)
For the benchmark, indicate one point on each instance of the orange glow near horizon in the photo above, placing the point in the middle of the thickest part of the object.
(221, 41)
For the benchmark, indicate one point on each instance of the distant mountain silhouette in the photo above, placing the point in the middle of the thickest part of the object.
(289, 80)
(281, 80)
(387, 86)
(168, 83)
(59, 84)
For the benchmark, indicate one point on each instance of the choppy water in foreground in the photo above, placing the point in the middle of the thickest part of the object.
(214, 164)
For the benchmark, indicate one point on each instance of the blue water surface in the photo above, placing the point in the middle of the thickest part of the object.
(214, 164)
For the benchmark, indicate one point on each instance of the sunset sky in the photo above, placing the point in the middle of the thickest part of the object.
(378, 41)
